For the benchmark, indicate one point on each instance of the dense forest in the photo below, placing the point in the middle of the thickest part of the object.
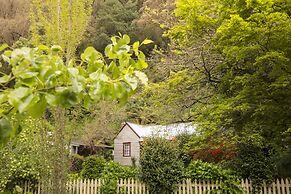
(223, 65)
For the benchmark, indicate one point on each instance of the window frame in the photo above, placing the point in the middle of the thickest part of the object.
(124, 149)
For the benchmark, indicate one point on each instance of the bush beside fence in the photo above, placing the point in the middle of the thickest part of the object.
(132, 186)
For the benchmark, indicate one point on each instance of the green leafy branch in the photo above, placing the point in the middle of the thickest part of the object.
(41, 79)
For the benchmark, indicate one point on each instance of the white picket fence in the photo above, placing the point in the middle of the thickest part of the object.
(132, 186)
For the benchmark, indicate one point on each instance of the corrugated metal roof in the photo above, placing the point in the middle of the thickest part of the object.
(165, 131)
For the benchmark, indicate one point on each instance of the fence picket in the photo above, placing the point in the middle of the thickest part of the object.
(90, 187)
(78, 186)
(247, 186)
(269, 189)
(264, 189)
(188, 183)
(274, 187)
(99, 183)
(208, 185)
(278, 186)
(95, 186)
(283, 186)
(132, 186)
(73, 186)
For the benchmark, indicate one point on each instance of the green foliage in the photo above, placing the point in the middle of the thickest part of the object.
(93, 167)
(255, 160)
(198, 170)
(110, 172)
(245, 57)
(22, 158)
(284, 165)
(60, 22)
(114, 169)
(97, 167)
(254, 80)
(109, 18)
(161, 167)
(207, 171)
(174, 97)
(182, 140)
(74, 176)
(41, 79)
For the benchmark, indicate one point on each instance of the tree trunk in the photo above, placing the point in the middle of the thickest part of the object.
(45, 152)
(69, 47)
(59, 20)
(59, 160)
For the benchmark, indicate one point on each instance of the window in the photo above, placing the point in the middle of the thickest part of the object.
(126, 149)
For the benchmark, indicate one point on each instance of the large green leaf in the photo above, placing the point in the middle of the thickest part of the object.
(90, 55)
(135, 47)
(147, 41)
(56, 48)
(142, 77)
(15, 96)
(114, 70)
(67, 98)
(141, 64)
(132, 81)
(3, 47)
(51, 99)
(38, 109)
(4, 79)
(3, 98)
(28, 102)
(126, 39)
(29, 74)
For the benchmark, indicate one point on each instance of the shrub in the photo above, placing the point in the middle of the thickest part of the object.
(93, 167)
(182, 140)
(73, 176)
(161, 167)
(22, 158)
(76, 163)
(116, 170)
(207, 171)
(20, 171)
(255, 161)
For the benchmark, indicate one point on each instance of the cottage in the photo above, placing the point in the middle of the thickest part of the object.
(127, 142)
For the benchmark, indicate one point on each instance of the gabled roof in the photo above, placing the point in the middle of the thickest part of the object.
(166, 131)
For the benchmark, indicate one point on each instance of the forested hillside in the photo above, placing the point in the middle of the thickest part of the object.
(224, 65)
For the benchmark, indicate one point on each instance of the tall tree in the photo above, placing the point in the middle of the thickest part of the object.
(246, 58)
(60, 22)
(56, 22)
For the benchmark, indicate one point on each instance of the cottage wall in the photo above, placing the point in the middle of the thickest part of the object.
(126, 135)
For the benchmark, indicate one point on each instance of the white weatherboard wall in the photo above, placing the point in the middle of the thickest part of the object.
(126, 135)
